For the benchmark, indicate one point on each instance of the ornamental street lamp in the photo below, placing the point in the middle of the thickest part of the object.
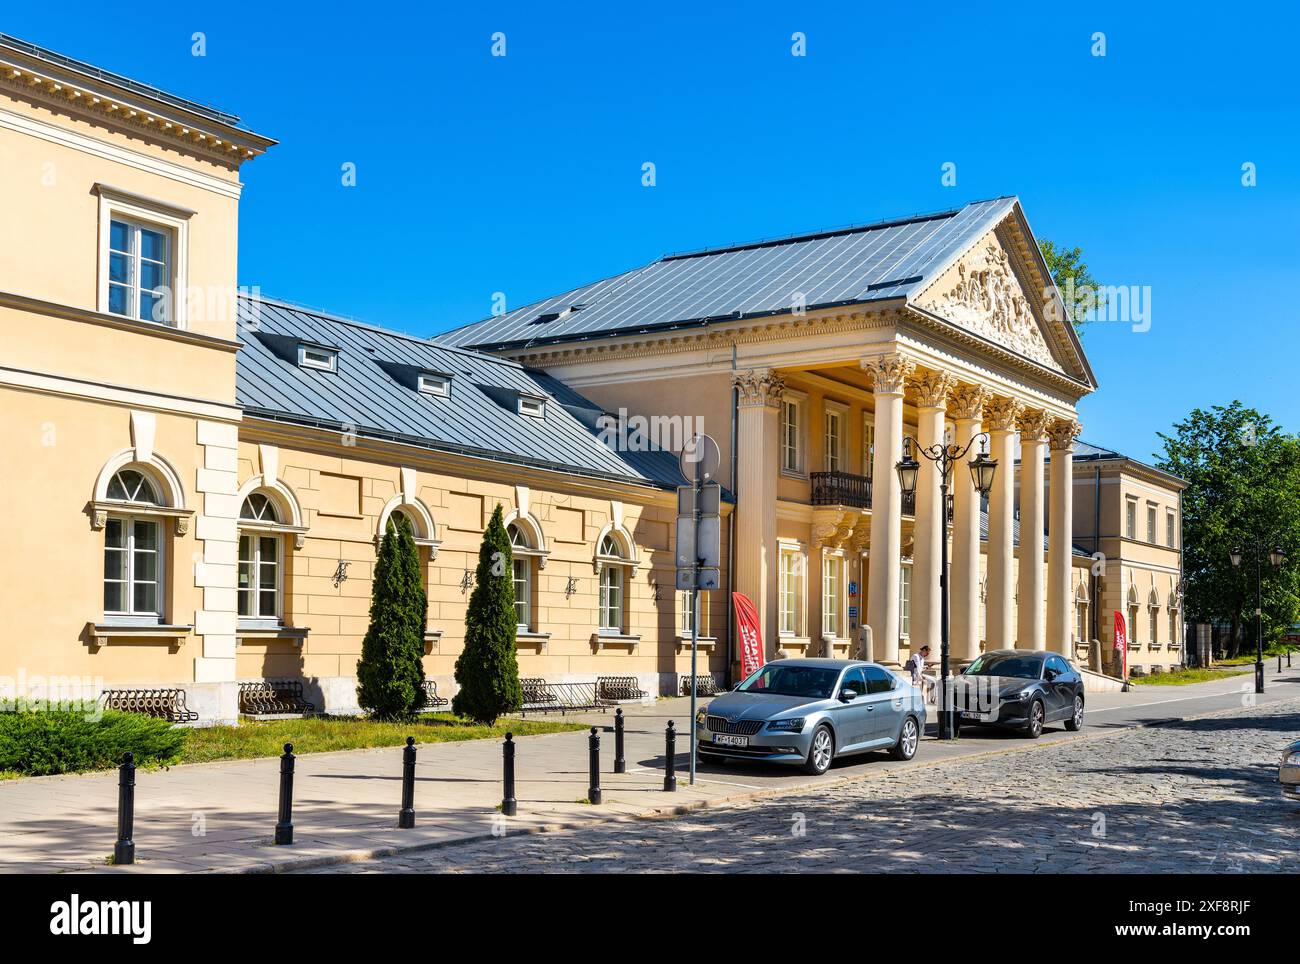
(982, 470)
(1276, 558)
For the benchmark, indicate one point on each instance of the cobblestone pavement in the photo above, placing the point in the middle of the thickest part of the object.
(1198, 796)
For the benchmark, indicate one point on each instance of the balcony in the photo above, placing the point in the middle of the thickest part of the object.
(854, 491)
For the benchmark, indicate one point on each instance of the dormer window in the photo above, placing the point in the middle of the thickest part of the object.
(534, 406)
(433, 383)
(318, 357)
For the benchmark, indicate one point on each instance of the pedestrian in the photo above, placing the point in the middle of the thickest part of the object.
(916, 666)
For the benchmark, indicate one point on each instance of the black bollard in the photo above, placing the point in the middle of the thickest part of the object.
(1279, 660)
(620, 762)
(124, 849)
(670, 758)
(593, 746)
(284, 828)
(406, 818)
(509, 805)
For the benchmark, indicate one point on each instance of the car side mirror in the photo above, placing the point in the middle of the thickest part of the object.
(847, 696)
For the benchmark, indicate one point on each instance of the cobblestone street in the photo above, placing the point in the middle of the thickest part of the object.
(1198, 796)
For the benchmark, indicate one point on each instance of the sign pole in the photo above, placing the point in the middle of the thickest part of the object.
(695, 609)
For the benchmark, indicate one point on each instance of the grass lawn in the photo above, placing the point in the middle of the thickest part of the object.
(1180, 677)
(319, 734)
(1248, 659)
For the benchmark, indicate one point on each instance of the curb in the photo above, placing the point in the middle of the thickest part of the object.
(669, 812)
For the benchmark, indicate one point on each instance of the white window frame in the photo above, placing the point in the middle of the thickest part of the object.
(833, 419)
(686, 614)
(128, 581)
(1153, 624)
(905, 601)
(792, 586)
(433, 383)
(155, 216)
(1130, 518)
(256, 562)
(1171, 529)
(832, 594)
(868, 445)
(792, 433)
(532, 406)
(327, 360)
(1151, 523)
(524, 562)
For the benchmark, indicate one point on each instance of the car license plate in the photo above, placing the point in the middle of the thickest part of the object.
(969, 715)
(725, 739)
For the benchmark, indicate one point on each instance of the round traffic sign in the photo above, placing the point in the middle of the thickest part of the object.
(700, 458)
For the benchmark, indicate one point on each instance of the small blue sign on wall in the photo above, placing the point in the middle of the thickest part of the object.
(853, 589)
(853, 612)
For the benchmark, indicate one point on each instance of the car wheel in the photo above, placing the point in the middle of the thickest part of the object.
(1075, 723)
(1034, 729)
(821, 752)
(908, 740)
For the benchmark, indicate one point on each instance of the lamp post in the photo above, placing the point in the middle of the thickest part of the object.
(982, 470)
(1276, 557)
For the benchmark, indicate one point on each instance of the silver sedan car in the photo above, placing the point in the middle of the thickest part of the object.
(810, 711)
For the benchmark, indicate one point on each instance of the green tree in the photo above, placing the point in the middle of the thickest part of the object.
(390, 673)
(1243, 476)
(487, 669)
(1079, 289)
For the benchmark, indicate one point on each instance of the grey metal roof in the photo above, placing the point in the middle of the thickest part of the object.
(374, 391)
(891, 259)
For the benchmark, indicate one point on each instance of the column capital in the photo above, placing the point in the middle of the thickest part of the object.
(759, 387)
(889, 373)
(1062, 433)
(1003, 414)
(1034, 425)
(968, 401)
(932, 389)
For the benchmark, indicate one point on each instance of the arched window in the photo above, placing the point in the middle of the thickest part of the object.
(1153, 617)
(133, 548)
(522, 574)
(612, 586)
(261, 560)
(1081, 613)
(1133, 614)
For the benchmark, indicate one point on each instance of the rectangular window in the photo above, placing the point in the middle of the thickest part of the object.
(432, 384)
(791, 453)
(791, 593)
(139, 271)
(1081, 621)
(314, 356)
(687, 613)
(611, 599)
(868, 446)
(1151, 524)
(259, 577)
(1133, 624)
(1130, 519)
(833, 440)
(1153, 624)
(832, 572)
(1171, 538)
(522, 573)
(1173, 627)
(534, 406)
(905, 602)
(133, 557)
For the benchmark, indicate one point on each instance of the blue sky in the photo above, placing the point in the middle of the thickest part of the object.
(522, 174)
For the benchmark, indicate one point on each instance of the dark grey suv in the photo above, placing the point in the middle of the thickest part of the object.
(1020, 688)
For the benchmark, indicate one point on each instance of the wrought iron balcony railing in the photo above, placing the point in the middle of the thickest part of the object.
(845, 488)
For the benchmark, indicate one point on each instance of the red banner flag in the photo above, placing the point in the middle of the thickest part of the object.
(1121, 638)
(750, 633)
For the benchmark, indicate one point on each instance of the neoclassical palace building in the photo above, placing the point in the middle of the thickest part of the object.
(198, 478)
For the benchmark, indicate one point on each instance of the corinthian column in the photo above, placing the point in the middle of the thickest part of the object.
(932, 391)
(1031, 624)
(889, 374)
(966, 404)
(1060, 532)
(756, 474)
(1003, 416)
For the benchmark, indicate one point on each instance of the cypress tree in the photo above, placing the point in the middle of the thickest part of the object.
(390, 673)
(487, 669)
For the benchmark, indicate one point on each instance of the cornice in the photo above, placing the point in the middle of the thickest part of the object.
(765, 330)
(71, 93)
(10, 299)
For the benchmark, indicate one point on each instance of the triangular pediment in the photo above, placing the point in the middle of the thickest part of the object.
(998, 289)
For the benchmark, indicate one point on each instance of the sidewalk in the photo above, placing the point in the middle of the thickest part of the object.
(220, 816)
